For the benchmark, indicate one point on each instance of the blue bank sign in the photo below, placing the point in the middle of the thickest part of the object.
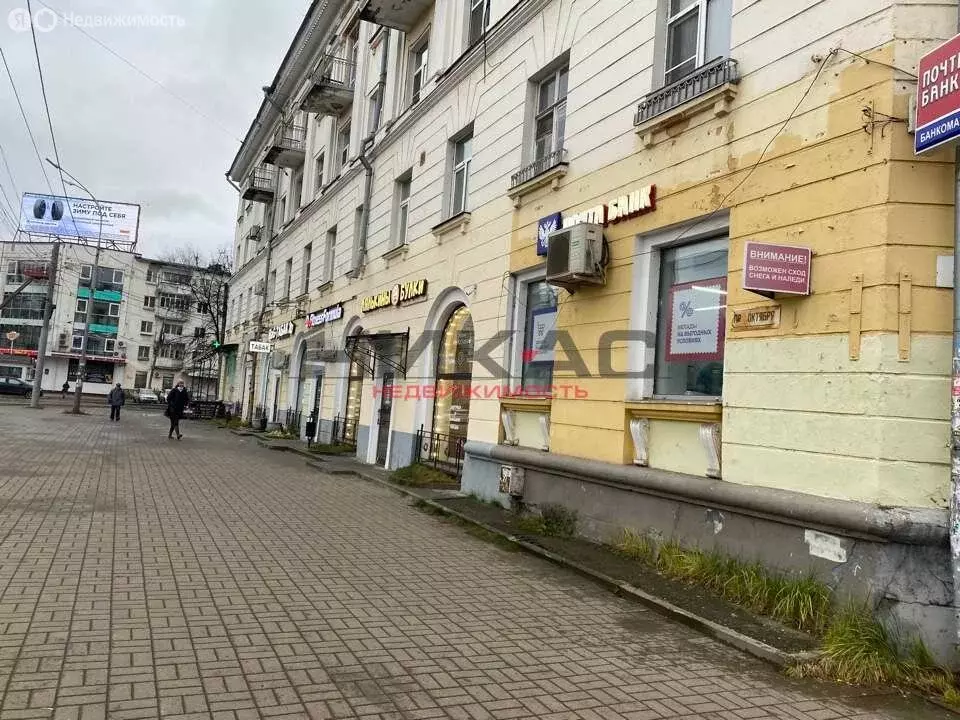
(544, 227)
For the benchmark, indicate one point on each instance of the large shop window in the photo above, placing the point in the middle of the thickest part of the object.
(540, 319)
(354, 394)
(691, 319)
(451, 409)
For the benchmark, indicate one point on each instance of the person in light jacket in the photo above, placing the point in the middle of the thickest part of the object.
(116, 399)
(177, 400)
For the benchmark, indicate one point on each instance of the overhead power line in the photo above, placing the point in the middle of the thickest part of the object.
(26, 121)
(144, 73)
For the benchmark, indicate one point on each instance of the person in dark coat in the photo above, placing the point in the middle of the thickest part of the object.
(116, 399)
(64, 390)
(177, 400)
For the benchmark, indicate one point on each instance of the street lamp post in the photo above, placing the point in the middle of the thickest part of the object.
(82, 365)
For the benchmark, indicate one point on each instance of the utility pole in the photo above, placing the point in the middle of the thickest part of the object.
(82, 366)
(47, 318)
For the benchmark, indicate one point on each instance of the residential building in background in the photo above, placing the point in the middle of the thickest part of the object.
(148, 328)
(670, 263)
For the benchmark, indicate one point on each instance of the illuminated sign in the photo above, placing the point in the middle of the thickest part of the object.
(397, 295)
(622, 207)
(322, 317)
(279, 332)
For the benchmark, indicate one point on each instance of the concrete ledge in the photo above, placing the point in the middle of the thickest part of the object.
(912, 526)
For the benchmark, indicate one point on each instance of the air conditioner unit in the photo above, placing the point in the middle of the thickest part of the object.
(254, 232)
(575, 256)
(280, 361)
(259, 288)
(121, 344)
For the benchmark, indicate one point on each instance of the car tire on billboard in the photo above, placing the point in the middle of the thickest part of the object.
(39, 209)
(56, 212)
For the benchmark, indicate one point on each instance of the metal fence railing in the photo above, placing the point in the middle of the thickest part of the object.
(441, 451)
(291, 421)
(344, 431)
(701, 81)
(538, 167)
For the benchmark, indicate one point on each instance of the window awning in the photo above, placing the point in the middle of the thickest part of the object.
(388, 348)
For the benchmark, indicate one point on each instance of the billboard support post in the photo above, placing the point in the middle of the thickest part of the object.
(45, 330)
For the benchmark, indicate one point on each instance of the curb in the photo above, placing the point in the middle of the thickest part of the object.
(749, 645)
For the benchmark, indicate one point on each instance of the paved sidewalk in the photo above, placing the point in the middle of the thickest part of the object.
(209, 578)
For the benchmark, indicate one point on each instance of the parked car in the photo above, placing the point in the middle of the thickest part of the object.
(145, 395)
(16, 386)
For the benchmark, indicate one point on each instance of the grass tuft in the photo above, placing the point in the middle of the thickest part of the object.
(417, 475)
(553, 521)
(335, 449)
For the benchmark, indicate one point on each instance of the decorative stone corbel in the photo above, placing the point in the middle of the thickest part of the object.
(508, 418)
(710, 439)
(640, 432)
(545, 431)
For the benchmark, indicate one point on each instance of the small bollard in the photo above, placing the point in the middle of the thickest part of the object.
(311, 428)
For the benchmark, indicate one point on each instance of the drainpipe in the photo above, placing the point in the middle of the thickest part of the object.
(263, 309)
(232, 183)
(361, 249)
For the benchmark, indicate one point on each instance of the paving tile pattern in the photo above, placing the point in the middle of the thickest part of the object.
(146, 578)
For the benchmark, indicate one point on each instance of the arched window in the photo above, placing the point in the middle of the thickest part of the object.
(451, 409)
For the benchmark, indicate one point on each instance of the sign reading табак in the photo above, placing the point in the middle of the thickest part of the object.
(260, 347)
(938, 97)
(770, 269)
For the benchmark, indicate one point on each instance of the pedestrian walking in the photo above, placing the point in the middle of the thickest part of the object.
(116, 399)
(64, 390)
(177, 400)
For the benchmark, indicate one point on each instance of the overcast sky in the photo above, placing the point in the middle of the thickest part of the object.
(125, 138)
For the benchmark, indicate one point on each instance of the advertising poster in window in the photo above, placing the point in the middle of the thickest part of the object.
(541, 335)
(695, 321)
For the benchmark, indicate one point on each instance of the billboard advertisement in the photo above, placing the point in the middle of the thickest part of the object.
(77, 217)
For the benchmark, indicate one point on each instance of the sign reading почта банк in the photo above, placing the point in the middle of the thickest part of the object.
(938, 97)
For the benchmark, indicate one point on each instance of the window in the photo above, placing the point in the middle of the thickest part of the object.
(114, 310)
(356, 260)
(698, 31)
(25, 306)
(146, 328)
(479, 19)
(143, 353)
(551, 115)
(343, 147)
(272, 286)
(539, 313)
(86, 272)
(77, 342)
(329, 254)
(151, 275)
(451, 409)
(150, 301)
(281, 211)
(287, 278)
(172, 329)
(375, 102)
(305, 269)
(81, 306)
(110, 345)
(462, 154)
(203, 308)
(402, 195)
(691, 319)
(418, 71)
(318, 173)
(296, 191)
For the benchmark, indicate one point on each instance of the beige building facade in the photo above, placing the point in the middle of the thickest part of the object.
(457, 158)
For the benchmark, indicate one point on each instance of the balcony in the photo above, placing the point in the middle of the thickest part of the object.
(168, 363)
(713, 85)
(392, 14)
(288, 148)
(331, 89)
(543, 171)
(259, 185)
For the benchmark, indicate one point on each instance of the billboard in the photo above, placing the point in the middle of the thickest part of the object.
(938, 97)
(77, 217)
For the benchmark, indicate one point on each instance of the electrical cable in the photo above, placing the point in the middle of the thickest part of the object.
(26, 122)
(875, 62)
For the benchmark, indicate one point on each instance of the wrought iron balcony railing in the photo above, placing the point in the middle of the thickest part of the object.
(715, 74)
(538, 167)
(336, 71)
(293, 137)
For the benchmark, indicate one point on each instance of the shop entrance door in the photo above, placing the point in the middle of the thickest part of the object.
(383, 418)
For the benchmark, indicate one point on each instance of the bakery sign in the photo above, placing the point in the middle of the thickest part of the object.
(397, 295)
(637, 202)
(322, 317)
(278, 332)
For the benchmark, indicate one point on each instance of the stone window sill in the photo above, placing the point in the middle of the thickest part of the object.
(396, 252)
(459, 221)
(550, 177)
(718, 101)
(684, 411)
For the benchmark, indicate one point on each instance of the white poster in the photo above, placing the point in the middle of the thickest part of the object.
(697, 315)
(541, 335)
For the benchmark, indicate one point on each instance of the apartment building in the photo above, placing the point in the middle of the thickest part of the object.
(147, 328)
(671, 263)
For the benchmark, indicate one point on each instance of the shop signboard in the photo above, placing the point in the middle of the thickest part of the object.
(260, 347)
(776, 269)
(937, 118)
(695, 321)
(636, 202)
(395, 296)
(544, 227)
(278, 332)
(324, 316)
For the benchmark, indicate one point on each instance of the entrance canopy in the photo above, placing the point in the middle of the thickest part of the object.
(367, 349)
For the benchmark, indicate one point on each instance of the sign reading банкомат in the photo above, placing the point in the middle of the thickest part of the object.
(770, 269)
(938, 97)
